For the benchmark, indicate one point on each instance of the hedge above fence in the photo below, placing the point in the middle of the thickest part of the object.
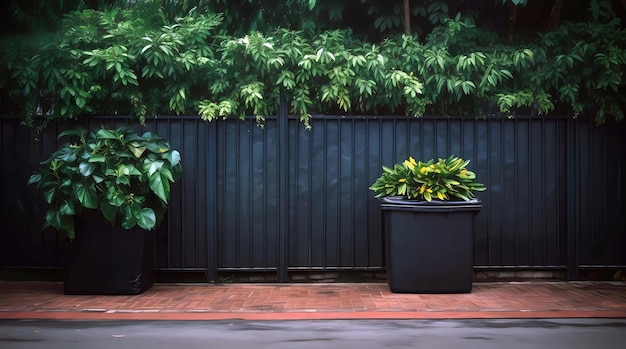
(125, 61)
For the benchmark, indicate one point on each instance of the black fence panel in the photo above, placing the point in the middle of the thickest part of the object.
(334, 222)
(555, 195)
(600, 189)
(247, 195)
(21, 242)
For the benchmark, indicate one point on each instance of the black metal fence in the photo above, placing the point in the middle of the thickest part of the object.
(282, 198)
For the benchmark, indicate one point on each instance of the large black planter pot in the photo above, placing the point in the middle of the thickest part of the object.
(429, 245)
(108, 260)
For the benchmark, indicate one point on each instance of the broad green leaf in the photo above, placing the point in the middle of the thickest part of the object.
(173, 157)
(152, 166)
(66, 154)
(105, 134)
(114, 197)
(87, 195)
(66, 209)
(108, 211)
(137, 149)
(160, 185)
(132, 170)
(86, 168)
(77, 132)
(129, 220)
(53, 218)
(157, 147)
(147, 219)
(165, 172)
(34, 178)
(97, 158)
(67, 225)
(49, 194)
(122, 180)
(80, 102)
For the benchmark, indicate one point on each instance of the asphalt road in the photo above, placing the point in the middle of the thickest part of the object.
(357, 334)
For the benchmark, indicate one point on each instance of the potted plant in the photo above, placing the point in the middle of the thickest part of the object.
(429, 210)
(105, 190)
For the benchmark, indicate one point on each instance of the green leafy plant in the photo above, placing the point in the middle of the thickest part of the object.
(149, 58)
(124, 176)
(445, 179)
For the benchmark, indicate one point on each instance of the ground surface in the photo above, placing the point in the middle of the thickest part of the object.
(348, 334)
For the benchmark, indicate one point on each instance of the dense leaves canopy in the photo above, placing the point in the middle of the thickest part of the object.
(219, 58)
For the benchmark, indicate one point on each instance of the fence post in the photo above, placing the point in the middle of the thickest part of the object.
(283, 187)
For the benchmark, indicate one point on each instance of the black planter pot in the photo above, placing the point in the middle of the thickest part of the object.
(108, 260)
(429, 245)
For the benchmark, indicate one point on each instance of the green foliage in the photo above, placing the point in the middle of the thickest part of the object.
(446, 179)
(152, 58)
(332, 72)
(575, 69)
(127, 65)
(123, 175)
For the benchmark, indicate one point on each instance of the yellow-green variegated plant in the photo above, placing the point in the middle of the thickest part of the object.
(446, 179)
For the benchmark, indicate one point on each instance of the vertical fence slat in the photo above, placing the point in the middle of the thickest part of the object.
(572, 199)
(211, 198)
(283, 189)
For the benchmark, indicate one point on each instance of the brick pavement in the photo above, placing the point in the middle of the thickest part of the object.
(534, 299)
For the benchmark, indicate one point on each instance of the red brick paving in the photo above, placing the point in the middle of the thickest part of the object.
(317, 301)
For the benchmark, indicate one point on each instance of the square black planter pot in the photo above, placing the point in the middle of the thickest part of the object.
(108, 260)
(429, 245)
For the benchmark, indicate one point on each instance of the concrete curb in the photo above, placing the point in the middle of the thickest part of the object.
(382, 315)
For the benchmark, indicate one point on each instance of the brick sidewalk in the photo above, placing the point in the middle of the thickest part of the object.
(318, 301)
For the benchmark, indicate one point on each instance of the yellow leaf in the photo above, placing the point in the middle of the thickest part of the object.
(410, 163)
(440, 196)
(423, 188)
